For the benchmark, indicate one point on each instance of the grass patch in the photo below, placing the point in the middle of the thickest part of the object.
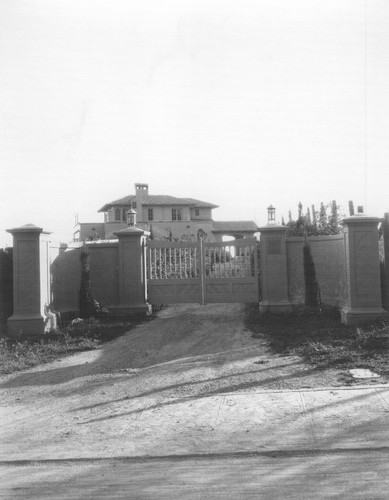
(77, 336)
(320, 339)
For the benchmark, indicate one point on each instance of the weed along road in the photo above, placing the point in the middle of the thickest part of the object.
(191, 405)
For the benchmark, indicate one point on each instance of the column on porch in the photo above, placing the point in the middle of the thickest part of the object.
(364, 301)
(274, 273)
(132, 272)
(31, 278)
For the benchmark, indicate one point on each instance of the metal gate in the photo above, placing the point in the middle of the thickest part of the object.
(202, 272)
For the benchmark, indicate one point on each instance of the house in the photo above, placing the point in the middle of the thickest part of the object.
(165, 217)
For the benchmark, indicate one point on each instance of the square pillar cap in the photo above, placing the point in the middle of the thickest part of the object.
(129, 231)
(27, 228)
(355, 219)
(273, 227)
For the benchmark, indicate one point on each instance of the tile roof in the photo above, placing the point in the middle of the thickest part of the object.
(158, 200)
(239, 225)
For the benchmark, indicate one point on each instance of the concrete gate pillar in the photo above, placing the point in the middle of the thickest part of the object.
(364, 302)
(274, 273)
(31, 278)
(132, 272)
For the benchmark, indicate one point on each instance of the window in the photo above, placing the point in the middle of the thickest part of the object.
(133, 205)
(118, 214)
(197, 212)
(124, 215)
(176, 214)
(150, 215)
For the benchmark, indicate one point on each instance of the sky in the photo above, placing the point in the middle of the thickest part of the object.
(241, 103)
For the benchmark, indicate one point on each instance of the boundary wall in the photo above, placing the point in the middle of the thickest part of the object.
(328, 255)
(65, 268)
(6, 288)
(347, 269)
(46, 276)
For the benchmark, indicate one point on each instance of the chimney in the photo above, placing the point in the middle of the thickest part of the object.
(141, 190)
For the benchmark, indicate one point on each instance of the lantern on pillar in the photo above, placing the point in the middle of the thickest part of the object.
(271, 214)
(131, 217)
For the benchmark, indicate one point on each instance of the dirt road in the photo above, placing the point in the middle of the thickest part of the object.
(186, 352)
(188, 392)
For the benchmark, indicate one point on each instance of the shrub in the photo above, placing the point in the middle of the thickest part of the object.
(80, 335)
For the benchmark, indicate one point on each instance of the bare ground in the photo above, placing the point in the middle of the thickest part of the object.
(188, 351)
(188, 406)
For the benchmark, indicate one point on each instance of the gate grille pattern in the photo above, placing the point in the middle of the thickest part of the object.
(174, 262)
(202, 272)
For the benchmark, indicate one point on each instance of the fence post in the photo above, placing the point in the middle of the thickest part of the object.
(132, 272)
(364, 302)
(386, 258)
(31, 282)
(274, 273)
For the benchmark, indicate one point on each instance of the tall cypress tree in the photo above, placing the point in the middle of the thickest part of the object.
(334, 218)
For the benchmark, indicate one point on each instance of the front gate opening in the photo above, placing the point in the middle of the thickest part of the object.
(202, 272)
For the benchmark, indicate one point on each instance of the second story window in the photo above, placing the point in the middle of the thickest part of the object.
(176, 214)
(197, 212)
(118, 214)
(124, 215)
(150, 215)
(133, 205)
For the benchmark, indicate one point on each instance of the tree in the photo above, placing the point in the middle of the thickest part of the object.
(308, 216)
(317, 224)
(334, 218)
(314, 222)
(323, 218)
(300, 210)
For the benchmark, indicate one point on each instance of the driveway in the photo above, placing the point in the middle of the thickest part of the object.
(189, 405)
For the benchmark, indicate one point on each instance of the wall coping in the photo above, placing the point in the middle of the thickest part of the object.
(102, 243)
(315, 238)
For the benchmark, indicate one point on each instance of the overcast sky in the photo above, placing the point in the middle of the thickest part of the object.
(241, 103)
